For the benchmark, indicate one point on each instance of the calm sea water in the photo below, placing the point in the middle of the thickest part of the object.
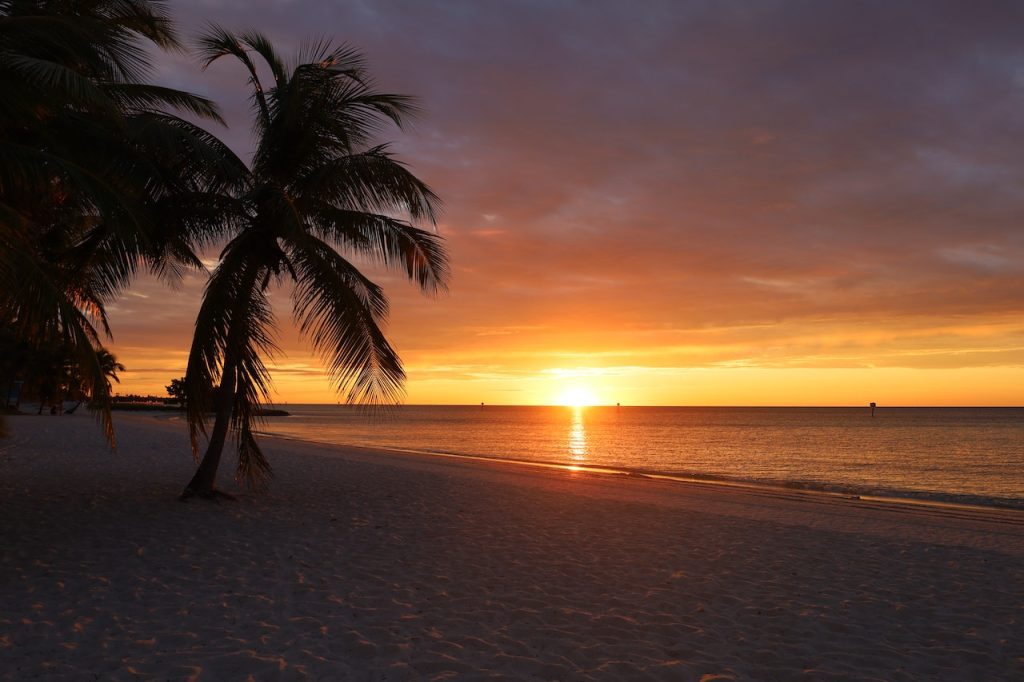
(973, 455)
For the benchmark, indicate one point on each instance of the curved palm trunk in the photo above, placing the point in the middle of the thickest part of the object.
(205, 478)
(204, 482)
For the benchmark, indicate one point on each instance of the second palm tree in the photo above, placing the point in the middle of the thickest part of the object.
(318, 191)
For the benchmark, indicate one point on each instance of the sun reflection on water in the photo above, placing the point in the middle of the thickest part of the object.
(577, 436)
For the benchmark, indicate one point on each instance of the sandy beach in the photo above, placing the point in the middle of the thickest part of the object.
(370, 565)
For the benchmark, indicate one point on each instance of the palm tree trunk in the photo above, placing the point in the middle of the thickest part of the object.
(204, 481)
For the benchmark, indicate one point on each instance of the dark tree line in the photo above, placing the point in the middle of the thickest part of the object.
(102, 176)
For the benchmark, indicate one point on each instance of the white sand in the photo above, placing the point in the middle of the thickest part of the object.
(374, 566)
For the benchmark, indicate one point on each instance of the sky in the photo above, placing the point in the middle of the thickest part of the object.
(681, 203)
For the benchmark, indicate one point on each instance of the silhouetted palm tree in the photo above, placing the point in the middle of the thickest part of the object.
(72, 384)
(96, 177)
(110, 367)
(317, 187)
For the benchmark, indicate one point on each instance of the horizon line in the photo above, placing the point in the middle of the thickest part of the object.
(866, 406)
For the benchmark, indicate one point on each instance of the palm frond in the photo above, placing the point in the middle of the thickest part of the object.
(370, 181)
(62, 82)
(339, 310)
(153, 98)
(216, 42)
(148, 18)
(192, 153)
(386, 240)
(259, 44)
(343, 60)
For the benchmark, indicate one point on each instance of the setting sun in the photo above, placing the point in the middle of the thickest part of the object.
(577, 396)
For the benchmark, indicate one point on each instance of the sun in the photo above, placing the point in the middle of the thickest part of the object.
(577, 396)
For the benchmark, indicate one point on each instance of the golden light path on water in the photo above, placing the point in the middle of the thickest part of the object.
(578, 436)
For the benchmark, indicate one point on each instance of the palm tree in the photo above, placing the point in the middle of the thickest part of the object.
(317, 188)
(78, 388)
(110, 366)
(96, 177)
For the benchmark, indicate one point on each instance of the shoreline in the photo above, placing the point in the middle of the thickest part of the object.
(367, 564)
(977, 503)
(673, 487)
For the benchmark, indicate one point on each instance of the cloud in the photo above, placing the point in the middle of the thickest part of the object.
(609, 170)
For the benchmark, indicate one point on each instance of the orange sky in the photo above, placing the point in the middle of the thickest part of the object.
(784, 204)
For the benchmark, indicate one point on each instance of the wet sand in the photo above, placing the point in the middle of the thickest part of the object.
(370, 565)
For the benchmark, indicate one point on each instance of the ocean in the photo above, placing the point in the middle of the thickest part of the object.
(962, 455)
